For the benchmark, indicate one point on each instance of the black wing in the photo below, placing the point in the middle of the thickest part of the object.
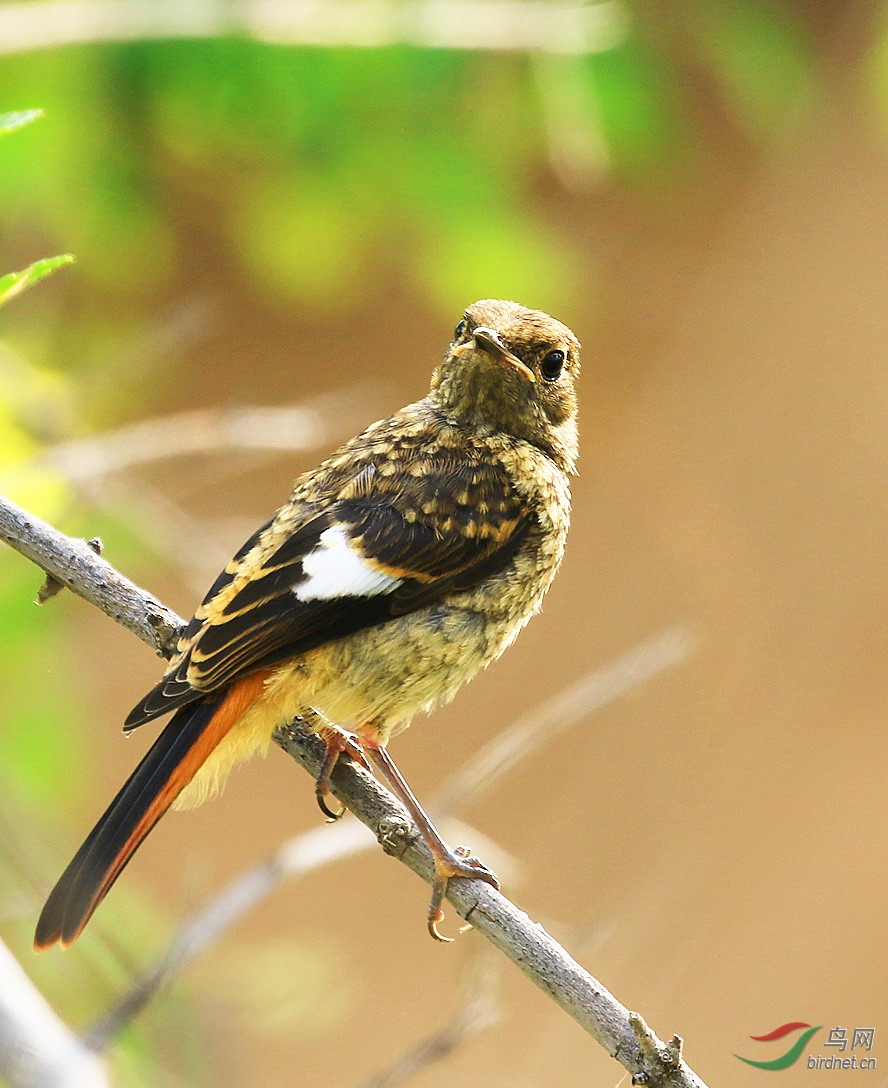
(430, 529)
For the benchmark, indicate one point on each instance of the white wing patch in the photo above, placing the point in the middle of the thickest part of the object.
(333, 569)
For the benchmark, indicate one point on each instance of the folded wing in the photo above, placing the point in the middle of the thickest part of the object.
(381, 547)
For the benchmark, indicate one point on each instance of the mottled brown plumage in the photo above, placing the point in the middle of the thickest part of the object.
(398, 568)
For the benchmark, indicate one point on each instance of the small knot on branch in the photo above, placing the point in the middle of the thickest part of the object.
(167, 633)
(52, 585)
(396, 834)
(661, 1061)
(672, 1051)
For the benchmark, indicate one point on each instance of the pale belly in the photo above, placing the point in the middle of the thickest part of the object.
(374, 681)
(384, 675)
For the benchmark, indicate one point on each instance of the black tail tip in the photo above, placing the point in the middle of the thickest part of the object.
(52, 929)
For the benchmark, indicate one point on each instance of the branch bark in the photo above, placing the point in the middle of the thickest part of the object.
(78, 565)
(323, 845)
(622, 1033)
(36, 1049)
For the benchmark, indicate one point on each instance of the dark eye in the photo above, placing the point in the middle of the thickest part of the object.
(459, 330)
(552, 365)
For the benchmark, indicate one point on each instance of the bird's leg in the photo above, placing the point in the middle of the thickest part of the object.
(337, 741)
(448, 863)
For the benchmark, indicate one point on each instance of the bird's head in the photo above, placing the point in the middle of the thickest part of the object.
(513, 370)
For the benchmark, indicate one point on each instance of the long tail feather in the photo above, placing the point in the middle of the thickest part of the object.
(169, 765)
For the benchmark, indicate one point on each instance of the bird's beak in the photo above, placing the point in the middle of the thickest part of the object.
(487, 340)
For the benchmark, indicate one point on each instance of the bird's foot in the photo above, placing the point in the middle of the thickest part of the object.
(448, 864)
(337, 741)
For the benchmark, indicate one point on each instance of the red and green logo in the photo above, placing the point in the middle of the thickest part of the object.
(792, 1055)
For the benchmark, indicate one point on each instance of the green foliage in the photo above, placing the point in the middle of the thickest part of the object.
(308, 177)
(24, 644)
(19, 449)
(759, 53)
(14, 283)
(311, 169)
(9, 122)
(29, 647)
(638, 100)
(19, 475)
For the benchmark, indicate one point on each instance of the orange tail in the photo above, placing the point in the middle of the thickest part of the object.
(170, 764)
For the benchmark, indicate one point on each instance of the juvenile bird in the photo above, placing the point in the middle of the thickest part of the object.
(397, 569)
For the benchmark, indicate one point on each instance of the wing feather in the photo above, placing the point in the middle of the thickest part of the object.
(435, 527)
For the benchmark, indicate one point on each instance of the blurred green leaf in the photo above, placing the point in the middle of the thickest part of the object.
(515, 257)
(759, 53)
(637, 99)
(30, 645)
(14, 283)
(301, 242)
(9, 122)
(283, 987)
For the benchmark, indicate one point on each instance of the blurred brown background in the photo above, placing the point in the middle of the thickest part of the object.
(710, 216)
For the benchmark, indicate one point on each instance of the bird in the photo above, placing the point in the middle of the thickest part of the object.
(405, 563)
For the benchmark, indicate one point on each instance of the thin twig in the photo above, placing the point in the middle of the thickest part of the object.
(540, 957)
(321, 846)
(97, 466)
(52, 587)
(78, 567)
(544, 722)
(520, 939)
(299, 855)
(520, 25)
(478, 1010)
(36, 1049)
(283, 429)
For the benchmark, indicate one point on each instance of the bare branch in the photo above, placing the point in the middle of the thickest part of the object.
(541, 958)
(209, 430)
(36, 1049)
(573, 704)
(297, 856)
(557, 26)
(52, 587)
(322, 846)
(519, 938)
(478, 1011)
(77, 565)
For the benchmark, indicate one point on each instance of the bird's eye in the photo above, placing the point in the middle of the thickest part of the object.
(459, 330)
(552, 365)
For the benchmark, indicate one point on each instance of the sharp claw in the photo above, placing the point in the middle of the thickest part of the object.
(436, 915)
(436, 934)
(448, 862)
(337, 743)
(469, 869)
(332, 816)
